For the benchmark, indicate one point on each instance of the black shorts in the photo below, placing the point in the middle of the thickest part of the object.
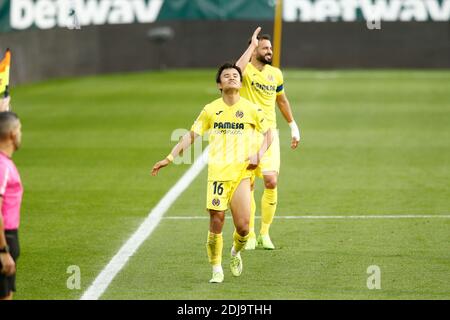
(8, 284)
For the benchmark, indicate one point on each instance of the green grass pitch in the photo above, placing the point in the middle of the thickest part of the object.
(374, 143)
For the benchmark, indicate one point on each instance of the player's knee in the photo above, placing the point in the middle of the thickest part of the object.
(270, 183)
(217, 219)
(242, 227)
(243, 231)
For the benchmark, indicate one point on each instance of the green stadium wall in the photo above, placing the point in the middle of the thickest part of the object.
(205, 35)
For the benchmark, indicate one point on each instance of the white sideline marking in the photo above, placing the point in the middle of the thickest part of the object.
(106, 276)
(405, 216)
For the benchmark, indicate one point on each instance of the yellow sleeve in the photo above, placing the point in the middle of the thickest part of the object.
(201, 125)
(280, 84)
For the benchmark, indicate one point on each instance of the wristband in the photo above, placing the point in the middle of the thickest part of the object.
(5, 249)
(170, 157)
(295, 132)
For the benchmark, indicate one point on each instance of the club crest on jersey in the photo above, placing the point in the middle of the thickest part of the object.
(239, 114)
(270, 77)
(216, 202)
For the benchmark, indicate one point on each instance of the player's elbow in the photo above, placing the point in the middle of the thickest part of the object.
(282, 101)
(192, 136)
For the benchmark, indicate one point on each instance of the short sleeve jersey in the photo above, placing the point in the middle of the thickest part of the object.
(233, 136)
(263, 87)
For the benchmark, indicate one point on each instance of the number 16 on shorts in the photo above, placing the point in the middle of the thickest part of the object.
(218, 194)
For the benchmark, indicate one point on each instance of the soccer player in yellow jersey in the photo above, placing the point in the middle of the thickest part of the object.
(263, 85)
(234, 152)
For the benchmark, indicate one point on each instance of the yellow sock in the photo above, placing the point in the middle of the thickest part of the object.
(268, 208)
(239, 241)
(214, 246)
(251, 224)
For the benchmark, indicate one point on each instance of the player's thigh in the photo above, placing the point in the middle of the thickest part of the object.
(240, 203)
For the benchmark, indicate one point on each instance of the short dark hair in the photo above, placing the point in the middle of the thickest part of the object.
(7, 123)
(262, 37)
(227, 65)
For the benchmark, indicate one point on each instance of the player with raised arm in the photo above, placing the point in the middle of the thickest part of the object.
(263, 85)
(234, 152)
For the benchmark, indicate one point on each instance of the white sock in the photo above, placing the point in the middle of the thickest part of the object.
(217, 268)
(233, 252)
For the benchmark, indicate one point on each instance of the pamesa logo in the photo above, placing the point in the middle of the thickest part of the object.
(47, 14)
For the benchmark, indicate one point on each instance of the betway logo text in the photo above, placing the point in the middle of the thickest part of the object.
(352, 10)
(46, 14)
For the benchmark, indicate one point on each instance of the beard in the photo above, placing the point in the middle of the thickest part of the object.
(16, 144)
(264, 60)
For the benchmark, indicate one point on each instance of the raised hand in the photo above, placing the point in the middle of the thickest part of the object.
(255, 40)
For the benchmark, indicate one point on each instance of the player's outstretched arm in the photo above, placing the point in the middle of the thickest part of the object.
(184, 143)
(286, 111)
(245, 58)
(254, 159)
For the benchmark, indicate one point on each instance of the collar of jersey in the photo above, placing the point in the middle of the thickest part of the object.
(232, 106)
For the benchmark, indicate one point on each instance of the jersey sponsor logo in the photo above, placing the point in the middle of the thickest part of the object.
(239, 114)
(269, 89)
(215, 202)
(229, 125)
(217, 113)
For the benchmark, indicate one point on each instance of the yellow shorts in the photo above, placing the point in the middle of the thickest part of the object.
(271, 158)
(219, 193)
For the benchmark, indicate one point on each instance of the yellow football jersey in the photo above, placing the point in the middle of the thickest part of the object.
(232, 136)
(262, 88)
